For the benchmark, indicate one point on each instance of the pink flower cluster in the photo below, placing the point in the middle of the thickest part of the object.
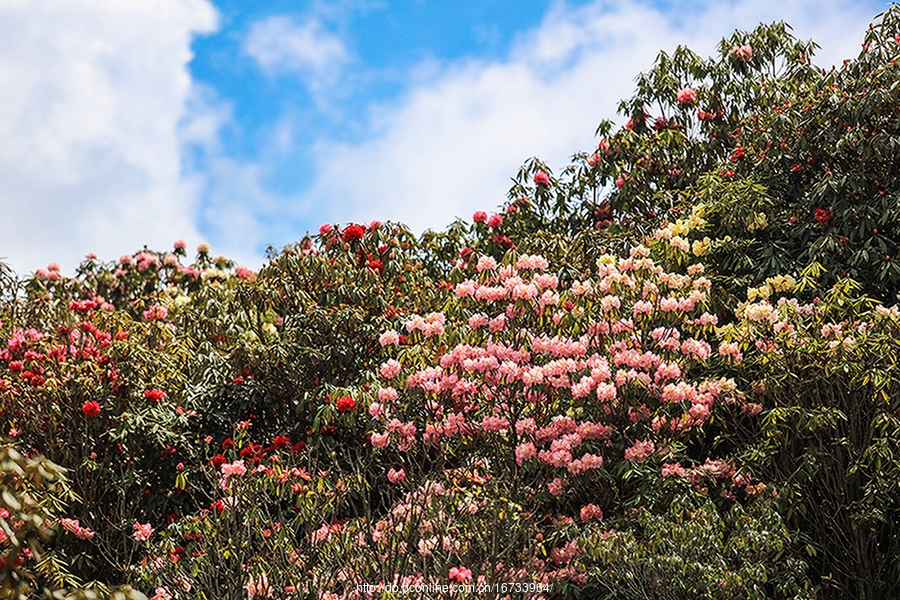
(431, 325)
(74, 526)
(237, 468)
(142, 532)
(640, 450)
(157, 312)
(389, 338)
(554, 376)
(743, 53)
(396, 475)
(591, 512)
(686, 96)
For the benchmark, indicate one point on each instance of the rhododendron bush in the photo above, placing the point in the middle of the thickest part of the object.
(551, 384)
(666, 372)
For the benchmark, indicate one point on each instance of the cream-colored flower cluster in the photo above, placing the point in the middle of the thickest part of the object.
(676, 233)
(780, 284)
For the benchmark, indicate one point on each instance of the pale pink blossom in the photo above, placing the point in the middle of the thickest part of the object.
(494, 424)
(259, 586)
(584, 464)
(466, 288)
(161, 593)
(532, 262)
(498, 323)
(696, 348)
(556, 487)
(396, 475)
(606, 391)
(668, 304)
(591, 512)
(142, 532)
(686, 96)
(387, 394)
(731, 350)
(593, 431)
(74, 526)
(235, 468)
(389, 338)
(380, 440)
(525, 452)
(743, 53)
(427, 546)
(640, 450)
(672, 470)
(486, 263)
(699, 412)
(525, 426)
(390, 369)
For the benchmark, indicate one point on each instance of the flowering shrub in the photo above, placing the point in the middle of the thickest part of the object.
(827, 378)
(536, 370)
(33, 492)
(694, 551)
(568, 393)
(647, 376)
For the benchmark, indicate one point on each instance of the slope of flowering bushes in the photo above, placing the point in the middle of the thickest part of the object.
(501, 425)
(132, 374)
(510, 427)
(664, 373)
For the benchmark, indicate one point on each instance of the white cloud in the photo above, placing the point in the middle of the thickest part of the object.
(280, 44)
(451, 144)
(239, 214)
(93, 92)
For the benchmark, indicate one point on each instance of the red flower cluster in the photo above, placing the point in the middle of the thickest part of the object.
(346, 404)
(252, 452)
(503, 240)
(822, 216)
(154, 395)
(354, 232)
(84, 306)
(91, 409)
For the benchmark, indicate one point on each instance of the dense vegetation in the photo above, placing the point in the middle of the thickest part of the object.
(668, 372)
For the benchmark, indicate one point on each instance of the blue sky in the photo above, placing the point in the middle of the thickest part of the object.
(245, 124)
(377, 51)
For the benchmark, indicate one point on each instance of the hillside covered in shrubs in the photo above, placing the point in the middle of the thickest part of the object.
(668, 371)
